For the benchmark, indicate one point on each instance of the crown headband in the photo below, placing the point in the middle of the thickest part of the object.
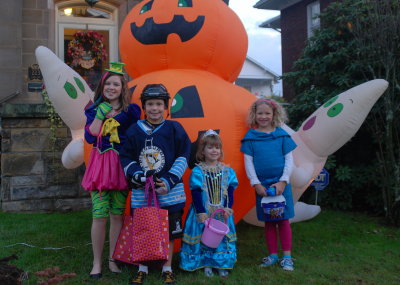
(210, 132)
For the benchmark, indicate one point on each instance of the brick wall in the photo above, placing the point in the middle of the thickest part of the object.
(294, 37)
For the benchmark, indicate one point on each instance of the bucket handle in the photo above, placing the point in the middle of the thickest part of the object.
(213, 215)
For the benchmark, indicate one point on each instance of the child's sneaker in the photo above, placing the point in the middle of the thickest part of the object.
(139, 278)
(168, 277)
(208, 272)
(223, 273)
(268, 261)
(287, 264)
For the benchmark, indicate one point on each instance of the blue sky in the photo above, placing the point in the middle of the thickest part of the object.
(264, 44)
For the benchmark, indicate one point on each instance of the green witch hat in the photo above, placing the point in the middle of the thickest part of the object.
(116, 67)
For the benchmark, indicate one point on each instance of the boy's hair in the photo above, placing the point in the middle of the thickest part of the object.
(213, 140)
(279, 114)
(124, 99)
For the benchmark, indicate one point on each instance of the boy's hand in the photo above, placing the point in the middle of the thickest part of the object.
(137, 180)
(150, 173)
(102, 110)
(280, 187)
(260, 190)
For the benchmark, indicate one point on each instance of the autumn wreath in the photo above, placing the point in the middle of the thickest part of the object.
(86, 49)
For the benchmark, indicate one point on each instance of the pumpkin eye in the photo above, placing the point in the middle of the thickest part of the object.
(71, 90)
(335, 110)
(146, 7)
(187, 104)
(185, 3)
(330, 101)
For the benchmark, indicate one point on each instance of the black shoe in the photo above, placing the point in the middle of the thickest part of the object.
(111, 260)
(168, 278)
(96, 276)
(139, 278)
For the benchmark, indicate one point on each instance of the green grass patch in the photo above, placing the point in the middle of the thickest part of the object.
(333, 248)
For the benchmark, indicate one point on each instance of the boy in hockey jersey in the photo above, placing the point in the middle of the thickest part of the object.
(159, 146)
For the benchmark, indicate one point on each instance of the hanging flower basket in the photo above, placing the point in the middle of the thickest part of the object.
(86, 49)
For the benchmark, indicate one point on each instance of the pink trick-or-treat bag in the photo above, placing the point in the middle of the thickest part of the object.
(123, 247)
(144, 237)
(150, 231)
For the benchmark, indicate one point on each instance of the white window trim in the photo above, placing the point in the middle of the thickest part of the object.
(311, 13)
(110, 25)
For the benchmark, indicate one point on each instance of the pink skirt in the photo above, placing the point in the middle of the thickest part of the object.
(104, 172)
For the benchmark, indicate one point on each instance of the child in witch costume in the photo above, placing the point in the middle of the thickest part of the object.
(161, 148)
(107, 121)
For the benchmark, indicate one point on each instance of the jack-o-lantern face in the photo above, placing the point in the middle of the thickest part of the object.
(151, 33)
(184, 34)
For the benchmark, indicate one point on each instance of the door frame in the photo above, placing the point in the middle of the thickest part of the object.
(110, 25)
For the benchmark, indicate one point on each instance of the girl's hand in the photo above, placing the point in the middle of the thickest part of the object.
(227, 212)
(280, 187)
(102, 110)
(260, 190)
(202, 217)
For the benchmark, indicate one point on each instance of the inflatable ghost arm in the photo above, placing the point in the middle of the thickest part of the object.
(69, 94)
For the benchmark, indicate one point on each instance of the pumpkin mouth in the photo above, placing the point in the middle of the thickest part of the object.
(151, 33)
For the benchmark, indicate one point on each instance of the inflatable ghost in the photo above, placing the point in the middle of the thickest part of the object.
(69, 94)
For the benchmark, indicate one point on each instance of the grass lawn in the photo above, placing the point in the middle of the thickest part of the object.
(333, 248)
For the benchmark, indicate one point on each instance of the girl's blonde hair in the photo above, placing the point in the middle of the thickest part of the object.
(124, 99)
(213, 140)
(279, 114)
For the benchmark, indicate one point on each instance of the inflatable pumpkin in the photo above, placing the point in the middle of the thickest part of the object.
(183, 34)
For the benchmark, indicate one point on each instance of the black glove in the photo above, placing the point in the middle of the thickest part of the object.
(149, 173)
(137, 180)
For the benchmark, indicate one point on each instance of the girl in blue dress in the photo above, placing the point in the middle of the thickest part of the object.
(268, 156)
(212, 184)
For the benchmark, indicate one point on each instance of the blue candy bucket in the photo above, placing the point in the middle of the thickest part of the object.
(273, 207)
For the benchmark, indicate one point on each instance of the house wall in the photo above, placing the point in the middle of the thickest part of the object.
(32, 176)
(294, 37)
(10, 48)
(256, 79)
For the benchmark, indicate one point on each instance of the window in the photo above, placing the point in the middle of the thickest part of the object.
(313, 22)
(76, 20)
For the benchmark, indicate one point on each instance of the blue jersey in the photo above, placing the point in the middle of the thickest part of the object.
(166, 150)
